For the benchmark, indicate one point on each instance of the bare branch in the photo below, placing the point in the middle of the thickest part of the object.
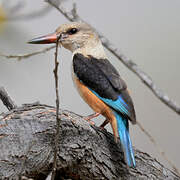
(24, 56)
(146, 79)
(57, 2)
(6, 99)
(69, 15)
(57, 112)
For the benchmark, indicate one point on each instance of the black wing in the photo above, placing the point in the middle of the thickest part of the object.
(111, 73)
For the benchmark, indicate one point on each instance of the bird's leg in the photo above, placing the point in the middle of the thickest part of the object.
(91, 116)
(104, 123)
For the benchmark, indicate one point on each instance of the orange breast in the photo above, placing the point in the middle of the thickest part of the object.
(96, 104)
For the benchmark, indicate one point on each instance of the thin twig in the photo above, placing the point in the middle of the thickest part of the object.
(159, 149)
(6, 99)
(24, 56)
(57, 112)
(146, 79)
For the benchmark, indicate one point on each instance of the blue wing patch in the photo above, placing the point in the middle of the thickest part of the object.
(119, 105)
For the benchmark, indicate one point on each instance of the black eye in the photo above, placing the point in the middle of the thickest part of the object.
(72, 31)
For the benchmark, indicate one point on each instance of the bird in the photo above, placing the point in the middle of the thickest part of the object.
(97, 80)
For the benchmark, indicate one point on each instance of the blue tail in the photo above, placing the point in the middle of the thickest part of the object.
(123, 131)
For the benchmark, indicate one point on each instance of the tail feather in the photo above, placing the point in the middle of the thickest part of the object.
(123, 131)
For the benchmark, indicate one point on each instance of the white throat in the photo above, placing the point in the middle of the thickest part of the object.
(93, 48)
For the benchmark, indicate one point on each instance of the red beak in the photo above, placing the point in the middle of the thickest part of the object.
(48, 39)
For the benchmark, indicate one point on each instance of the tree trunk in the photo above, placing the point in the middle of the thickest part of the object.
(85, 152)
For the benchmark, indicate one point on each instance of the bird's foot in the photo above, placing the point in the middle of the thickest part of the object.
(88, 118)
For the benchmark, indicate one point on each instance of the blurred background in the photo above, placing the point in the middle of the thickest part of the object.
(146, 31)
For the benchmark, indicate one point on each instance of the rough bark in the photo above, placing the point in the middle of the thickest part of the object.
(85, 152)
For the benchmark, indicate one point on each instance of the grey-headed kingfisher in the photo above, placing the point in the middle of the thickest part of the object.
(96, 79)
